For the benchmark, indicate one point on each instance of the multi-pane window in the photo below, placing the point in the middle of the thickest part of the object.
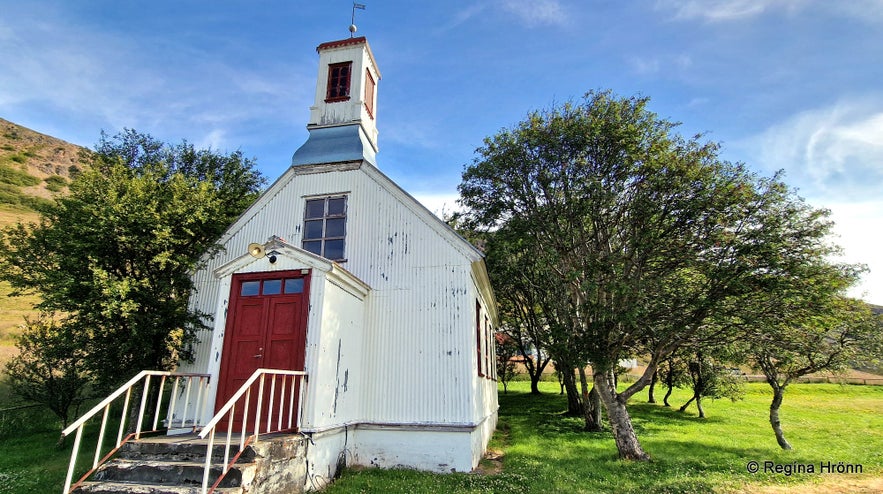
(271, 287)
(325, 227)
(338, 82)
(369, 93)
(484, 344)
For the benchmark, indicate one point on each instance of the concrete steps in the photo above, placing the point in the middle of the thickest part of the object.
(174, 465)
(130, 488)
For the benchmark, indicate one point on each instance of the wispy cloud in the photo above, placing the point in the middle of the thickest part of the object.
(733, 10)
(714, 10)
(651, 65)
(529, 13)
(413, 130)
(112, 79)
(462, 16)
(537, 12)
(834, 152)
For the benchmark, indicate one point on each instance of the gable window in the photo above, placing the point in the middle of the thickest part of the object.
(369, 93)
(338, 82)
(325, 227)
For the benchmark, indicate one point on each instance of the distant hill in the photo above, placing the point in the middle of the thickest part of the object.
(33, 166)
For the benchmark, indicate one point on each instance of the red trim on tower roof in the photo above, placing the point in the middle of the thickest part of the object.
(340, 43)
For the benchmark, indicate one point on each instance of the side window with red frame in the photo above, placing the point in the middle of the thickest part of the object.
(478, 338)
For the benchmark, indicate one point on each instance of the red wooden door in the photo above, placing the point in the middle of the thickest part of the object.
(266, 328)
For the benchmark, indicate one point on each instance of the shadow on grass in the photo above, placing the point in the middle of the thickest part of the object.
(546, 451)
(688, 454)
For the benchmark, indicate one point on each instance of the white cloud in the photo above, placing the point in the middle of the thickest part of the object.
(858, 228)
(214, 139)
(413, 130)
(643, 65)
(463, 16)
(834, 152)
(530, 13)
(113, 80)
(440, 203)
(834, 155)
(537, 12)
(714, 10)
(733, 10)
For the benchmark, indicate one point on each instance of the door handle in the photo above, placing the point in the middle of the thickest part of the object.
(257, 356)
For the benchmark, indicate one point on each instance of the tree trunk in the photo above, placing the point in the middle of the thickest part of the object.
(778, 396)
(685, 405)
(534, 384)
(534, 369)
(623, 433)
(669, 383)
(699, 406)
(574, 403)
(595, 403)
(592, 419)
(650, 397)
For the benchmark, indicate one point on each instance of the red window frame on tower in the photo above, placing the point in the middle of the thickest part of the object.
(339, 76)
(369, 93)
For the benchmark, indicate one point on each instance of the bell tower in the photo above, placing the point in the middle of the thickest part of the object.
(343, 118)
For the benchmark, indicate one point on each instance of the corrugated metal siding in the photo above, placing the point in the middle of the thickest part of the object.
(336, 354)
(419, 362)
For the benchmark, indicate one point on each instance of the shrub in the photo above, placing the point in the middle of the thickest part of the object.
(9, 175)
(55, 183)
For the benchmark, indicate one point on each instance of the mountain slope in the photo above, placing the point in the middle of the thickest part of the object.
(33, 166)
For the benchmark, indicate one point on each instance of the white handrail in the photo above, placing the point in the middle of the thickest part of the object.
(104, 407)
(241, 391)
(229, 409)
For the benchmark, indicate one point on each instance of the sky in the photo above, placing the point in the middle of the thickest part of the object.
(791, 85)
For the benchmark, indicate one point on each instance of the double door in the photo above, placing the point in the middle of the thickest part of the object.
(266, 328)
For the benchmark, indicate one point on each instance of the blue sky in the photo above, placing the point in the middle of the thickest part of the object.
(781, 84)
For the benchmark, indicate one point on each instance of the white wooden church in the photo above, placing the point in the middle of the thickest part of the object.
(338, 272)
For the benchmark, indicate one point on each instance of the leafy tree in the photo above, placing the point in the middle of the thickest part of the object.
(674, 375)
(710, 378)
(115, 254)
(643, 235)
(49, 367)
(513, 273)
(506, 349)
(824, 334)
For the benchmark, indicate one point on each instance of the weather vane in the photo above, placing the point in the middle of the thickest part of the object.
(360, 6)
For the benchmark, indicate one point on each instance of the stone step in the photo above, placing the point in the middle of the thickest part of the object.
(130, 488)
(174, 465)
(166, 473)
(184, 449)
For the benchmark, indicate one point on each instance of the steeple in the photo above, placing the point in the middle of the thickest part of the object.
(343, 125)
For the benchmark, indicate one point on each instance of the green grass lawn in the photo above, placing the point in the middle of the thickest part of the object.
(545, 451)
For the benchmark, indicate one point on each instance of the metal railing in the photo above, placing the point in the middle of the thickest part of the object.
(186, 391)
(281, 415)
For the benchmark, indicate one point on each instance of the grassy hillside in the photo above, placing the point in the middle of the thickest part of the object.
(33, 167)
